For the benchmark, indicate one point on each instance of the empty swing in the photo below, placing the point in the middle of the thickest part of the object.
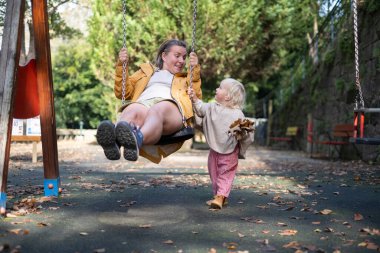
(360, 110)
(26, 100)
(187, 132)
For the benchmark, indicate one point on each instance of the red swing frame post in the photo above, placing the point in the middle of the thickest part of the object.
(358, 124)
(46, 97)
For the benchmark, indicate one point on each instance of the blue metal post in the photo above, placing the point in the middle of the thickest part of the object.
(3, 200)
(51, 186)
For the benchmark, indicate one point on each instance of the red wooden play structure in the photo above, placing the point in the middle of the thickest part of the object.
(32, 87)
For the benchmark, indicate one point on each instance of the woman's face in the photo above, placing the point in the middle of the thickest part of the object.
(175, 59)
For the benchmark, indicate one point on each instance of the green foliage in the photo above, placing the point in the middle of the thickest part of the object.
(251, 90)
(329, 57)
(351, 93)
(318, 97)
(247, 40)
(258, 42)
(346, 43)
(79, 96)
(58, 27)
(315, 80)
(372, 5)
(340, 85)
(376, 51)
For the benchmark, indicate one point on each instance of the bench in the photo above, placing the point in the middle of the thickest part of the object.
(339, 136)
(28, 138)
(290, 136)
(68, 134)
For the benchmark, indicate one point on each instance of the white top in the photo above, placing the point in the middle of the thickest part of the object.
(159, 85)
(216, 120)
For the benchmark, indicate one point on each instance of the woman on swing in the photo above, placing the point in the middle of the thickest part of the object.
(158, 104)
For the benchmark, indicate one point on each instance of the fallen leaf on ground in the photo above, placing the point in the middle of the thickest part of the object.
(230, 245)
(41, 224)
(287, 209)
(370, 231)
(145, 226)
(262, 207)
(168, 242)
(212, 250)
(287, 232)
(10, 215)
(325, 211)
(358, 216)
(19, 231)
(263, 241)
(292, 245)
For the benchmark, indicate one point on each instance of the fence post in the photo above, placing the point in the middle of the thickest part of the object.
(309, 145)
(269, 126)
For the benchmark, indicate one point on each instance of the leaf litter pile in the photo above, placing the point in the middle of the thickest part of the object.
(296, 197)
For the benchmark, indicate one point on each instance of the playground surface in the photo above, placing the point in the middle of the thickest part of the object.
(282, 201)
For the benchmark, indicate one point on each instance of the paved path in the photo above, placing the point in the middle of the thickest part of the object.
(281, 202)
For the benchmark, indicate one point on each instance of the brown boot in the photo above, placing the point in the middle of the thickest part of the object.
(225, 201)
(217, 203)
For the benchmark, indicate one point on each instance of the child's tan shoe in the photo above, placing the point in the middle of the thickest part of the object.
(225, 201)
(217, 202)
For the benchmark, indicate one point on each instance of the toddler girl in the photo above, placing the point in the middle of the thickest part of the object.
(225, 148)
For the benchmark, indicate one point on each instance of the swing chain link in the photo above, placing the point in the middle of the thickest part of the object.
(357, 77)
(124, 74)
(193, 38)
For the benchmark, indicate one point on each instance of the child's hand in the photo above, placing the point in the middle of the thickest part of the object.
(193, 97)
(123, 55)
(193, 59)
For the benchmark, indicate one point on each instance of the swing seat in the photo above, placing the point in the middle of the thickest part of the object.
(359, 125)
(367, 141)
(180, 136)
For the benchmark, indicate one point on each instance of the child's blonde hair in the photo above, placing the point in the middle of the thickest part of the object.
(236, 92)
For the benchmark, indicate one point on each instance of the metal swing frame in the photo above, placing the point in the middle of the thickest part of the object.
(360, 110)
(187, 132)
